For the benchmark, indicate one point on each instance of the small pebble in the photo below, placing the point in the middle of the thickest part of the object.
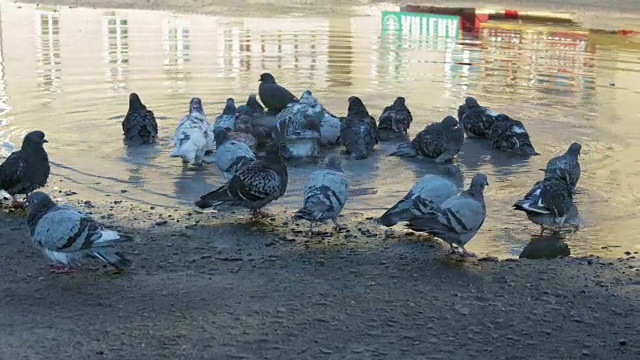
(161, 222)
(586, 353)
(622, 342)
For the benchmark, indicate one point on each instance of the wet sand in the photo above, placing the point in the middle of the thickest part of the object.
(215, 286)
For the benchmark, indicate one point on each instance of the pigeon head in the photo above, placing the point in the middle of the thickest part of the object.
(135, 104)
(334, 163)
(471, 102)
(38, 200)
(478, 183)
(307, 98)
(195, 105)
(221, 135)
(252, 102)
(230, 107)
(356, 107)
(267, 78)
(34, 138)
(574, 149)
(450, 122)
(453, 171)
(400, 101)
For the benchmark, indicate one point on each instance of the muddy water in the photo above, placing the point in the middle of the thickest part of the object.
(68, 72)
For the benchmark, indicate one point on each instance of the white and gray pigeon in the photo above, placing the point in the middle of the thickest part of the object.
(549, 203)
(459, 217)
(510, 135)
(300, 123)
(66, 235)
(193, 136)
(426, 195)
(27, 169)
(476, 120)
(325, 194)
(228, 117)
(329, 129)
(358, 131)
(567, 162)
(255, 185)
(231, 155)
(395, 120)
(440, 141)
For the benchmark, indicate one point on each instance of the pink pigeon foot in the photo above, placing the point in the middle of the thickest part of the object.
(257, 213)
(62, 269)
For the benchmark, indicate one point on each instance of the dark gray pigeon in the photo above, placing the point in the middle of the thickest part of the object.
(231, 155)
(549, 202)
(228, 117)
(476, 120)
(251, 108)
(395, 120)
(459, 217)
(325, 194)
(358, 130)
(139, 125)
(425, 197)
(441, 141)
(254, 185)
(567, 162)
(27, 169)
(510, 135)
(66, 235)
(272, 95)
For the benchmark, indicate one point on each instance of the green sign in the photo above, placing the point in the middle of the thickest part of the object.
(421, 23)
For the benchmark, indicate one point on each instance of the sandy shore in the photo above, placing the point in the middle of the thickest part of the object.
(214, 286)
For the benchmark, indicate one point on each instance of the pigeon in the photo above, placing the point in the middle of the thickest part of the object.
(245, 132)
(459, 217)
(255, 185)
(476, 120)
(27, 169)
(395, 120)
(273, 96)
(251, 108)
(325, 194)
(66, 235)
(358, 130)
(228, 117)
(511, 135)
(231, 155)
(193, 135)
(329, 129)
(300, 123)
(549, 202)
(441, 141)
(139, 125)
(426, 195)
(567, 162)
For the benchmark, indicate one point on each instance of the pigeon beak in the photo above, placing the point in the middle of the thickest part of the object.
(45, 141)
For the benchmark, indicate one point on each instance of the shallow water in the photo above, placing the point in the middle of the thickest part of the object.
(68, 72)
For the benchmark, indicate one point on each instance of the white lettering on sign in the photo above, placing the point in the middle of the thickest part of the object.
(428, 25)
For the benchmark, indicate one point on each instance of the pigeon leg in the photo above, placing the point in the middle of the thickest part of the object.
(15, 203)
(452, 250)
(62, 269)
(542, 229)
(336, 226)
(466, 253)
(257, 213)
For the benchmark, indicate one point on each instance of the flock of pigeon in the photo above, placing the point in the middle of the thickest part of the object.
(250, 146)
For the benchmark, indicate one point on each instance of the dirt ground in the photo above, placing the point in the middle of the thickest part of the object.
(216, 286)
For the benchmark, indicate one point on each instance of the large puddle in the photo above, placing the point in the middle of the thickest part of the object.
(68, 72)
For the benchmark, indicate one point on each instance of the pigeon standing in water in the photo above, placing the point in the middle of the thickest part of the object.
(549, 202)
(251, 108)
(27, 169)
(254, 185)
(193, 135)
(272, 95)
(300, 123)
(245, 132)
(395, 120)
(441, 141)
(228, 117)
(459, 217)
(139, 125)
(66, 235)
(476, 120)
(425, 197)
(358, 131)
(231, 155)
(567, 162)
(325, 194)
(511, 135)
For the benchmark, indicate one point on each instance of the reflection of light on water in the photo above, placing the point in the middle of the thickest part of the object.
(175, 46)
(4, 107)
(115, 34)
(48, 48)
